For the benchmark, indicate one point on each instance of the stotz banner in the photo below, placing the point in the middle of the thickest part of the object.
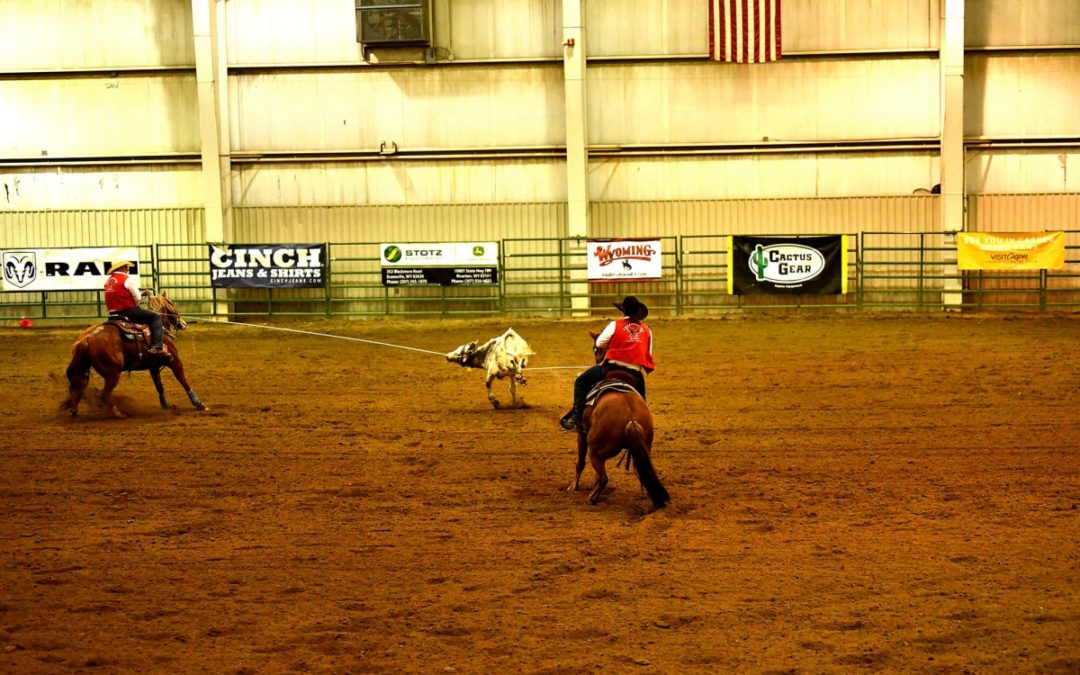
(268, 265)
(787, 265)
(1010, 250)
(447, 264)
(62, 269)
(624, 259)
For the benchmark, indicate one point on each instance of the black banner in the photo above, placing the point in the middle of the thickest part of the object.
(268, 265)
(787, 265)
(440, 276)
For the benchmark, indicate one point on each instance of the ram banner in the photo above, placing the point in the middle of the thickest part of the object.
(790, 265)
(1010, 250)
(267, 265)
(624, 260)
(62, 269)
(445, 264)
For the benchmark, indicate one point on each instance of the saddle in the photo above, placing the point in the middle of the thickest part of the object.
(129, 330)
(604, 387)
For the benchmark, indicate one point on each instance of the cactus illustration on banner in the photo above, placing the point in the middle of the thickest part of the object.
(759, 262)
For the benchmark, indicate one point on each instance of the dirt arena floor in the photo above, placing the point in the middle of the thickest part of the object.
(849, 493)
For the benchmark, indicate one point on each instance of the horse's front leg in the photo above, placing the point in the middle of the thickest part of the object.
(582, 450)
(177, 368)
(491, 394)
(155, 375)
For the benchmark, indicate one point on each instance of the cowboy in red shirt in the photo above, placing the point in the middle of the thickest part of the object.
(122, 297)
(629, 347)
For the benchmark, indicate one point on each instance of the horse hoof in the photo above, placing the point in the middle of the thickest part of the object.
(496, 405)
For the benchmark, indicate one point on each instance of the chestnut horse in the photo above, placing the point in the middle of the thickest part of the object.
(618, 419)
(110, 350)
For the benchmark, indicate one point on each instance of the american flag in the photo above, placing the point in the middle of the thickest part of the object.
(744, 31)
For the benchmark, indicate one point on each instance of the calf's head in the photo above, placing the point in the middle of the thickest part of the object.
(462, 354)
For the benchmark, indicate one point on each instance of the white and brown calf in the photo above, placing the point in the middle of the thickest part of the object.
(502, 357)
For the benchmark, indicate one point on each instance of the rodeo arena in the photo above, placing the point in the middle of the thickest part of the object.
(540, 336)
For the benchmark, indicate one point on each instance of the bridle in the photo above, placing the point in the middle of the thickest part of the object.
(167, 310)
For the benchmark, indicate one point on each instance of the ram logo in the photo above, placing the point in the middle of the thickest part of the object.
(20, 268)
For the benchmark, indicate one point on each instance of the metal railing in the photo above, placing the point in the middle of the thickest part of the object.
(548, 277)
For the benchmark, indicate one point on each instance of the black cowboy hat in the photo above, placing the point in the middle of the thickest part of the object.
(633, 308)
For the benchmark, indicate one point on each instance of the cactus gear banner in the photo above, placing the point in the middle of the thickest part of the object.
(787, 265)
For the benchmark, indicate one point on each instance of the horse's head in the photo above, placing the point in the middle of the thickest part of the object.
(170, 316)
(462, 354)
(598, 352)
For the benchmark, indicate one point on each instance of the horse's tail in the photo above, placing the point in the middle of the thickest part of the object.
(639, 452)
(80, 360)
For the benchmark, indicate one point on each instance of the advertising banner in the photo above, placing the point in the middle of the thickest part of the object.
(624, 260)
(267, 265)
(787, 265)
(440, 264)
(1010, 250)
(63, 269)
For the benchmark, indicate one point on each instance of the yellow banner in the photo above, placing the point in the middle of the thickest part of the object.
(1010, 250)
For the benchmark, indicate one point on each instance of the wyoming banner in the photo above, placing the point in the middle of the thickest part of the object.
(1010, 250)
(787, 265)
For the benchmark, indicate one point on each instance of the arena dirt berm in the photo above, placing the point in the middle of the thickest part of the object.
(848, 493)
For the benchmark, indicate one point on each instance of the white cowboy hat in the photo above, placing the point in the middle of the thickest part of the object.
(118, 264)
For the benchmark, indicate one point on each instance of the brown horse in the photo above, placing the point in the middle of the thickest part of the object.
(617, 419)
(110, 349)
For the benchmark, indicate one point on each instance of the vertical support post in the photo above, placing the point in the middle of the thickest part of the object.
(326, 280)
(577, 142)
(211, 73)
(952, 144)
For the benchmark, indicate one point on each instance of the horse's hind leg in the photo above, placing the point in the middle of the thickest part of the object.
(77, 382)
(601, 480)
(111, 380)
(155, 375)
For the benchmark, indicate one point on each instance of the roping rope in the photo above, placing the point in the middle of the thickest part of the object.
(355, 339)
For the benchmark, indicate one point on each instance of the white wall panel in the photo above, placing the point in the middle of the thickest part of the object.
(1009, 23)
(793, 101)
(291, 31)
(647, 27)
(844, 25)
(417, 108)
(61, 34)
(451, 222)
(482, 29)
(134, 187)
(92, 116)
(1049, 170)
(760, 177)
(389, 182)
(1022, 95)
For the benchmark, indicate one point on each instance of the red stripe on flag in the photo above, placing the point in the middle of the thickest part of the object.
(749, 33)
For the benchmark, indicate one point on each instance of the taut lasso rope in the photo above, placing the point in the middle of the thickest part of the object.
(356, 339)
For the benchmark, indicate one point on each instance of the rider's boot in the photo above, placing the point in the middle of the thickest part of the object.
(570, 420)
(159, 351)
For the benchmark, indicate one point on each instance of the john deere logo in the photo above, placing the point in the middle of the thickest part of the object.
(786, 263)
(392, 254)
(478, 251)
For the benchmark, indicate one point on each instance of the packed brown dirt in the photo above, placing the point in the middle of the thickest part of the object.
(849, 493)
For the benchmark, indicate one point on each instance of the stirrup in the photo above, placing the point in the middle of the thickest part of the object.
(569, 421)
